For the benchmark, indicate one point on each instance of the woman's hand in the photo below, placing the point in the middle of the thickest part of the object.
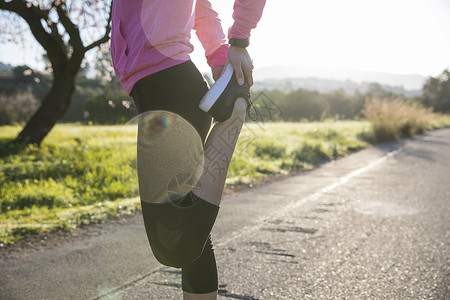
(242, 64)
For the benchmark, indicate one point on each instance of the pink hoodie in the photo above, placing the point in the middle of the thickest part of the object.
(151, 35)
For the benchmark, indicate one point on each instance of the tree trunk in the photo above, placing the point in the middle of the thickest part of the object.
(65, 56)
(52, 109)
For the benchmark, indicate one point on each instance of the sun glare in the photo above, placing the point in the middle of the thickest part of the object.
(401, 36)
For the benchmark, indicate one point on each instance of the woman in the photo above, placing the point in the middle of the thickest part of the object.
(150, 51)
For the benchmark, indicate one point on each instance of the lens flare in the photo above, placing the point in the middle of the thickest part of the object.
(170, 156)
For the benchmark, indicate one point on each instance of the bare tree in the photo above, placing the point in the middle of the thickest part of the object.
(62, 27)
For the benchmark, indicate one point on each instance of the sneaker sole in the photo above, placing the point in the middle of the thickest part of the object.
(217, 89)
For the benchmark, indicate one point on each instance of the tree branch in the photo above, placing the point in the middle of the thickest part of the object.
(72, 29)
(33, 16)
(105, 37)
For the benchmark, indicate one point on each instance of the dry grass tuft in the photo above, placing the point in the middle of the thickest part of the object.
(394, 119)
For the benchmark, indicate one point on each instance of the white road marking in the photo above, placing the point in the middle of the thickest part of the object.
(282, 211)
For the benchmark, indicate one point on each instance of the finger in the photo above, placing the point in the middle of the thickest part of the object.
(249, 75)
(239, 75)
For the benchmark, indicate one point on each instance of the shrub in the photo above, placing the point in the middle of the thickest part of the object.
(269, 149)
(326, 134)
(309, 153)
(393, 119)
(17, 108)
(110, 107)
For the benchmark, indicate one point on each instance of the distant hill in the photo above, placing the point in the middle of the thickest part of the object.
(327, 85)
(328, 79)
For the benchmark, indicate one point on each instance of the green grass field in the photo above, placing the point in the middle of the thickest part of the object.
(86, 174)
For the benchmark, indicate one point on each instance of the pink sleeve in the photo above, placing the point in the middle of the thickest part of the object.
(210, 33)
(246, 15)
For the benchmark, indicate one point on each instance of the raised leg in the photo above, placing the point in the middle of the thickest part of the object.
(219, 148)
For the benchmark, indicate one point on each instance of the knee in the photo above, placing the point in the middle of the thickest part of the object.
(175, 248)
(178, 236)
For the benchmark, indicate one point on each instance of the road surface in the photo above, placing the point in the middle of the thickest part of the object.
(373, 225)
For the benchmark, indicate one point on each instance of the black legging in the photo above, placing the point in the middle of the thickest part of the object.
(180, 237)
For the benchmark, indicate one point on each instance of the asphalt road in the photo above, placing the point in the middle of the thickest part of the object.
(374, 225)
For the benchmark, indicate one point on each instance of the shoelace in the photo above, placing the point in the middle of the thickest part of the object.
(249, 108)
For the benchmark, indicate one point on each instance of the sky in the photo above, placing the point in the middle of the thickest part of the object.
(395, 36)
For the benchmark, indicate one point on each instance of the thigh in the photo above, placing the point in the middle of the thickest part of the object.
(178, 89)
(178, 235)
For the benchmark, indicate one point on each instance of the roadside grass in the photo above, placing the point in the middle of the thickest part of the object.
(79, 175)
(395, 119)
(86, 174)
(265, 149)
(439, 121)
